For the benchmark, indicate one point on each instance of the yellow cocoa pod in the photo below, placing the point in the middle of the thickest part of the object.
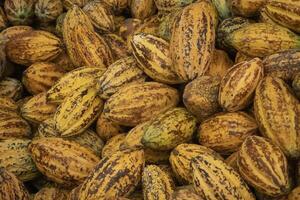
(246, 8)
(19, 12)
(107, 129)
(220, 64)
(51, 193)
(12, 88)
(48, 10)
(142, 9)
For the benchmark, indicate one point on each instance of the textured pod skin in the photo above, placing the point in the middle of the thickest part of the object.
(238, 85)
(225, 28)
(48, 10)
(33, 46)
(16, 159)
(3, 20)
(50, 194)
(39, 77)
(157, 184)
(263, 39)
(285, 13)
(117, 6)
(223, 8)
(69, 4)
(114, 176)
(240, 57)
(295, 194)
(12, 125)
(276, 111)
(246, 8)
(64, 61)
(214, 179)
(59, 24)
(186, 193)
(219, 64)
(87, 139)
(62, 161)
(19, 12)
(117, 45)
(107, 129)
(296, 85)
(14, 31)
(153, 55)
(100, 15)
(8, 104)
(181, 158)
(170, 5)
(73, 81)
(37, 109)
(84, 46)
(264, 166)
(200, 96)
(12, 88)
(78, 111)
(283, 65)
(226, 132)
(142, 9)
(166, 24)
(196, 25)
(232, 160)
(11, 188)
(169, 129)
(121, 73)
(133, 139)
(137, 103)
(113, 145)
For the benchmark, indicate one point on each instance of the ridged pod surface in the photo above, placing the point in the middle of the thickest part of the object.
(107, 129)
(156, 183)
(200, 96)
(62, 161)
(19, 12)
(123, 72)
(214, 179)
(169, 129)
(37, 109)
(16, 159)
(285, 13)
(72, 81)
(84, 46)
(277, 113)
(12, 125)
(100, 15)
(49, 193)
(114, 176)
(283, 65)
(11, 188)
(264, 166)
(223, 8)
(3, 20)
(170, 5)
(153, 55)
(226, 132)
(239, 83)
(33, 46)
(8, 104)
(186, 193)
(117, 6)
(12, 88)
(246, 8)
(69, 4)
(193, 40)
(232, 160)
(137, 103)
(225, 28)
(48, 10)
(14, 31)
(78, 111)
(113, 145)
(220, 64)
(181, 157)
(117, 45)
(263, 39)
(166, 24)
(240, 57)
(142, 9)
(40, 76)
(87, 139)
